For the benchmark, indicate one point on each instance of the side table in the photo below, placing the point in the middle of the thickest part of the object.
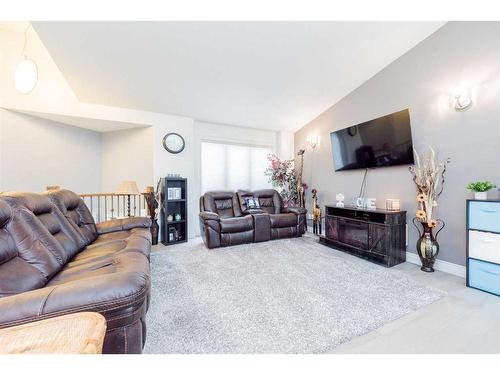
(80, 333)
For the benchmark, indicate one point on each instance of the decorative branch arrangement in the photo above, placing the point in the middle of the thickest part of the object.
(428, 175)
(285, 178)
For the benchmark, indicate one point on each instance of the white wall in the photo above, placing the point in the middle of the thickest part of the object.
(36, 153)
(182, 163)
(132, 154)
(205, 131)
(127, 155)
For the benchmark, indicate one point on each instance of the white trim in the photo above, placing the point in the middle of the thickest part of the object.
(440, 265)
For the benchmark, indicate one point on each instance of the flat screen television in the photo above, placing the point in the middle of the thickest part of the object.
(382, 142)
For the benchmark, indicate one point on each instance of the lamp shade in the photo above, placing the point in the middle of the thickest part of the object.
(26, 76)
(128, 187)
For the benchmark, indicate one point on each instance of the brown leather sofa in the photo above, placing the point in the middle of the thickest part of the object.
(225, 219)
(55, 260)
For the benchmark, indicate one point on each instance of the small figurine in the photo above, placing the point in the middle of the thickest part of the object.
(371, 203)
(316, 213)
(340, 200)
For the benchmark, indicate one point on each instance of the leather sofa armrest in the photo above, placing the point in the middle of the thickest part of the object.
(294, 210)
(207, 215)
(103, 294)
(118, 225)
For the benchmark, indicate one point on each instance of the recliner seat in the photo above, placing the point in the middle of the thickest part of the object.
(49, 266)
(225, 219)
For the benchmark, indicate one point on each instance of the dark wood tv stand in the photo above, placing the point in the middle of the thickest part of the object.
(377, 235)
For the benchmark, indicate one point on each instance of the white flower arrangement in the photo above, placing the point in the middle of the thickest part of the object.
(428, 175)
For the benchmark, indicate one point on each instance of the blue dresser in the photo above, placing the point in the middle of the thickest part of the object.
(483, 245)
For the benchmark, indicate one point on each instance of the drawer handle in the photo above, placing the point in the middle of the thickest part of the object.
(489, 210)
(487, 240)
(491, 272)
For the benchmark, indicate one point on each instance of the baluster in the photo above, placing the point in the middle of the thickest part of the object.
(98, 208)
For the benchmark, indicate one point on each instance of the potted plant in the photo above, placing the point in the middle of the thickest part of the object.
(428, 176)
(480, 189)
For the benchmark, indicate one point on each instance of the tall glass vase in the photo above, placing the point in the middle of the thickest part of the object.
(427, 245)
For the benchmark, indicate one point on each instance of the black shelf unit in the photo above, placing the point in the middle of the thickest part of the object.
(172, 207)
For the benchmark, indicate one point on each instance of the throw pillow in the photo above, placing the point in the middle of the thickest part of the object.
(252, 203)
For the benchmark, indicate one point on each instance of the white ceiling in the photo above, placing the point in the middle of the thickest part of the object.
(274, 75)
(98, 125)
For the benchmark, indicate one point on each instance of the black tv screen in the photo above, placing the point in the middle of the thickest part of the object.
(381, 142)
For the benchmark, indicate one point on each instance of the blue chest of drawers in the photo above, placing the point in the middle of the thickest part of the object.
(483, 245)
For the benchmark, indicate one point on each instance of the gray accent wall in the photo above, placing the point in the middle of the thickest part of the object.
(460, 54)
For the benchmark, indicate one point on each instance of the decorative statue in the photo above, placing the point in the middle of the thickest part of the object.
(153, 202)
(316, 213)
(300, 186)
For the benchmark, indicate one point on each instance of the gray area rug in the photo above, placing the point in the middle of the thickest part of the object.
(285, 296)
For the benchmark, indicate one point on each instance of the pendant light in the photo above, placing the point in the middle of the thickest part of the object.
(26, 74)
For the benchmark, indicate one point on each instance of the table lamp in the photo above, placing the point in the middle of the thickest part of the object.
(128, 188)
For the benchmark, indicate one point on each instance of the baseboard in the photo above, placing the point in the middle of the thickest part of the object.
(440, 265)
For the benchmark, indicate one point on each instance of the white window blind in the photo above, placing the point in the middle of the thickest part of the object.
(232, 167)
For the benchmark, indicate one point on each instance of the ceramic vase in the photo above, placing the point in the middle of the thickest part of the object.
(481, 195)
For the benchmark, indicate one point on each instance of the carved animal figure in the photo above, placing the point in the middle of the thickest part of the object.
(300, 185)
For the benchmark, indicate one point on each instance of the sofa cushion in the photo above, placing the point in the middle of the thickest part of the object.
(283, 220)
(16, 274)
(41, 234)
(269, 200)
(132, 243)
(76, 211)
(222, 203)
(236, 224)
(101, 265)
(145, 234)
(43, 211)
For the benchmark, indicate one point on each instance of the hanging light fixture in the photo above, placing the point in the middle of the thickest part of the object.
(26, 75)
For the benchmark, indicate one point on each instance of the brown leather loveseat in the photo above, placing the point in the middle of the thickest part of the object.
(55, 260)
(225, 219)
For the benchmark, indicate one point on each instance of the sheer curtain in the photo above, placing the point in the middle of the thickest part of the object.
(231, 167)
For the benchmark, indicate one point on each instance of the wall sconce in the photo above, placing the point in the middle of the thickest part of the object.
(462, 100)
(312, 141)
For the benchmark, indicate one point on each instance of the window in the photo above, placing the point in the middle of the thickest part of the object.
(232, 167)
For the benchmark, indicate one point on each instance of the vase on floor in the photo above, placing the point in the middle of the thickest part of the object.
(427, 245)
(154, 232)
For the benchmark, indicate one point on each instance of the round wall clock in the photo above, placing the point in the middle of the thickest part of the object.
(173, 143)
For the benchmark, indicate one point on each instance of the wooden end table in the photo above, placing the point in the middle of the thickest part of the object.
(80, 333)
